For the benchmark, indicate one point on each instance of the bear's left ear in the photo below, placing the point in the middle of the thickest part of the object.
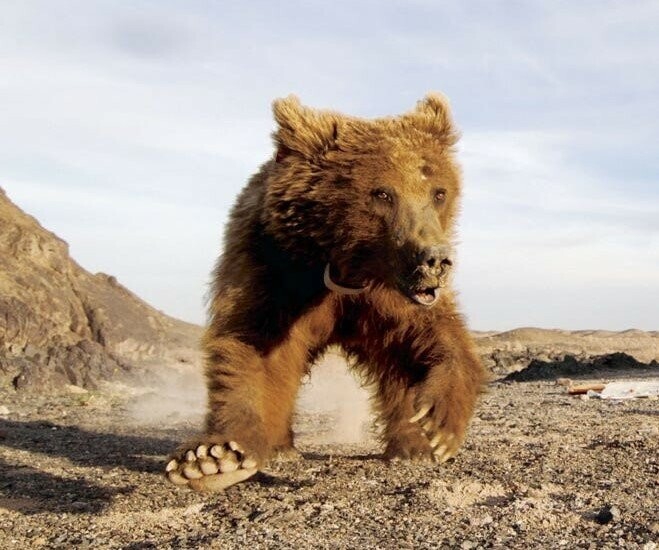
(433, 114)
(301, 130)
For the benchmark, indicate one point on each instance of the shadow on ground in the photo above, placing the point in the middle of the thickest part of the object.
(27, 489)
(31, 491)
(86, 448)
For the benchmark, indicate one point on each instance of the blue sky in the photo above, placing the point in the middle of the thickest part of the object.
(129, 127)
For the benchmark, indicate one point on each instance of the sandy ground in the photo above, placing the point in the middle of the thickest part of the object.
(540, 469)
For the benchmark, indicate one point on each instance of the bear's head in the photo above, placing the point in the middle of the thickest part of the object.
(375, 199)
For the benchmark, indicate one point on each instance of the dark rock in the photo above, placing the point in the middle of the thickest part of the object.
(572, 366)
(607, 514)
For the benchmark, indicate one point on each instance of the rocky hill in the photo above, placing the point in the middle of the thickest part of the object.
(60, 324)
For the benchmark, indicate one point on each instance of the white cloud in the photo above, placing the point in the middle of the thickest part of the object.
(535, 225)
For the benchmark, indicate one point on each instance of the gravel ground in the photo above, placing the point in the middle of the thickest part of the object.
(540, 469)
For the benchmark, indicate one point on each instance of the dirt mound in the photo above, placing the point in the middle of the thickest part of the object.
(574, 367)
(513, 350)
(60, 324)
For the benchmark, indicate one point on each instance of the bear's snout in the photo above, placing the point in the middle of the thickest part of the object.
(434, 259)
(426, 272)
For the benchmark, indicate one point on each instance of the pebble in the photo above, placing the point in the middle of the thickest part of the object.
(76, 389)
(480, 522)
(607, 514)
(194, 509)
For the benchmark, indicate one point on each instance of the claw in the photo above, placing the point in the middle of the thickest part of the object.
(248, 463)
(445, 458)
(192, 471)
(208, 466)
(217, 451)
(440, 450)
(202, 451)
(171, 465)
(176, 478)
(235, 447)
(229, 463)
(190, 456)
(442, 454)
(423, 411)
(436, 440)
(427, 426)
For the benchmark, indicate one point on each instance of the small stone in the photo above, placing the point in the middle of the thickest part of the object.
(194, 509)
(76, 390)
(607, 514)
(480, 522)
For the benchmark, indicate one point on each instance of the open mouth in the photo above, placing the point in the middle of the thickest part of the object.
(425, 296)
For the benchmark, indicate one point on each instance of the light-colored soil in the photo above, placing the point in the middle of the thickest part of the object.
(84, 470)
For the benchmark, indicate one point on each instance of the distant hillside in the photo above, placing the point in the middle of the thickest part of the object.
(60, 324)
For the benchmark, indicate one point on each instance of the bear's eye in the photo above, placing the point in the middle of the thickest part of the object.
(382, 195)
(440, 195)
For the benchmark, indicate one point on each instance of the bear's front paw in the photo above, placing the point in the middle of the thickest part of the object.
(444, 439)
(213, 468)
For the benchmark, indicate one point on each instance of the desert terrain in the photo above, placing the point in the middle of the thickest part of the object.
(540, 469)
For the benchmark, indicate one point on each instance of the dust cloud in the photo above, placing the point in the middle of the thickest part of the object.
(177, 395)
(335, 395)
(331, 400)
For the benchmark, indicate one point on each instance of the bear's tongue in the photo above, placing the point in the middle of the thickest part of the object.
(427, 296)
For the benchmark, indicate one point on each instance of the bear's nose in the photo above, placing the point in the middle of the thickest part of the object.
(434, 257)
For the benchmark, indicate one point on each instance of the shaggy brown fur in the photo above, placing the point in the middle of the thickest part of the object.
(377, 201)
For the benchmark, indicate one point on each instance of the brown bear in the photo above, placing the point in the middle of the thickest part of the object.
(344, 238)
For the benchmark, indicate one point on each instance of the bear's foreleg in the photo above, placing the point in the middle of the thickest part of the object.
(234, 443)
(425, 398)
(445, 399)
(250, 402)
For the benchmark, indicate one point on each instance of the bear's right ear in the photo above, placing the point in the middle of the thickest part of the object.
(302, 130)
